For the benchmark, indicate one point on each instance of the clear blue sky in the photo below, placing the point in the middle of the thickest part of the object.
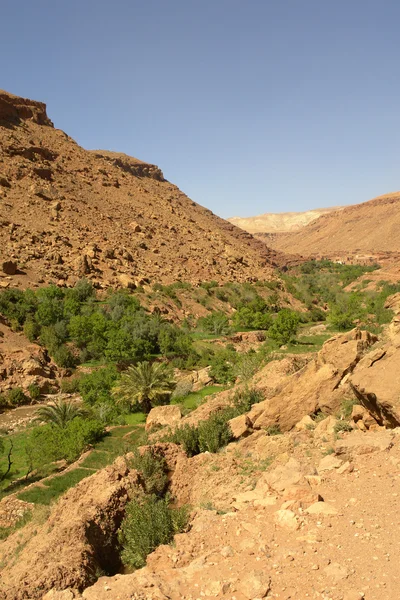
(248, 106)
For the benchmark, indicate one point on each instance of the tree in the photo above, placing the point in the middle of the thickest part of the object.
(60, 413)
(216, 323)
(144, 385)
(285, 326)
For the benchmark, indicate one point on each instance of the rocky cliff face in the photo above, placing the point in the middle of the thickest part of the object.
(66, 212)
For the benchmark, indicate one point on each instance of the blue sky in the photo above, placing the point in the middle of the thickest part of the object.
(249, 107)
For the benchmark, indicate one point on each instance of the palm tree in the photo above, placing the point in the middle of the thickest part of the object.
(144, 384)
(60, 413)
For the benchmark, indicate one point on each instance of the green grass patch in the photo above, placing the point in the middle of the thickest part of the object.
(135, 418)
(195, 399)
(54, 487)
(97, 460)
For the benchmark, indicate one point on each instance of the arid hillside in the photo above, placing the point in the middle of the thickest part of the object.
(66, 212)
(369, 228)
(280, 222)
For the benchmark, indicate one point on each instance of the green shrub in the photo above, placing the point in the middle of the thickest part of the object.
(31, 329)
(149, 522)
(342, 426)
(16, 397)
(223, 366)
(34, 391)
(64, 358)
(153, 468)
(96, 386)
(214, 433)
(70, 386)
(188, 437)
(244, 399)
(273, 430)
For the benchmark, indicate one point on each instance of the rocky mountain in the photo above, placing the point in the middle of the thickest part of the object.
(280, 222)
(66, 212)
(369, 228)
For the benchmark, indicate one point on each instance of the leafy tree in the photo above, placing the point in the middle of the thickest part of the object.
(249, 318)
(216, 323)
(223, 366)
(64, 358)
(144, 385)
(285, 326)
(60, 413)
(96, 387)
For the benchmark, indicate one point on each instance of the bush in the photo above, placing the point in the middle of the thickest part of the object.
(244, 399)
(149, 522)
(222, 367)
(64, 358)
(34, 391)
(188, 437)
(214, 433)
(31, 330)
(70, 386)
(16, 397)
(154, 470)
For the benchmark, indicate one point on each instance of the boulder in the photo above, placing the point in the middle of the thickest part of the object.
(321, 508)
(305, 423)
(329, 463)
(376, 384)
(9, 267)
(240, 426)
(287, 520)
(126, 281)
(319, 386)
(358, 442)
(169, 415)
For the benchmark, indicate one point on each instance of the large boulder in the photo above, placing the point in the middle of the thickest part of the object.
(320, 386)
(376, 384)
(161, 416)
(9, 267)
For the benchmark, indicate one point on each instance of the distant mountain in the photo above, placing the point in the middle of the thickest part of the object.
(371, 227)
(280, 222)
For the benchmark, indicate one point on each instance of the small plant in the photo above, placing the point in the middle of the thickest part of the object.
(346, 408)
(329, 451)
(70, 386)
(34, 391)
(273, 430)
(188, 437)
(341, 426)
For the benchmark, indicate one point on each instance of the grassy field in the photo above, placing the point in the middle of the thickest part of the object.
(195, 399)
(118, 441)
